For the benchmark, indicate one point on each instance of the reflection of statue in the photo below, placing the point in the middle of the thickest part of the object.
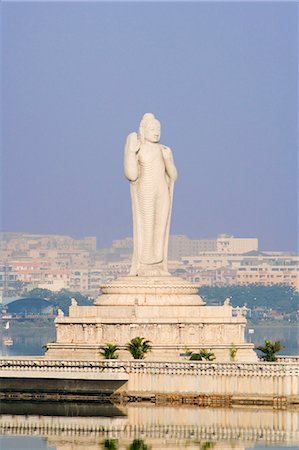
(151, 171)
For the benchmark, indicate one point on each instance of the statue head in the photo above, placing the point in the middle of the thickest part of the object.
(149, 128)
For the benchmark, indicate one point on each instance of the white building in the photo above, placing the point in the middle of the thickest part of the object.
(229, 244)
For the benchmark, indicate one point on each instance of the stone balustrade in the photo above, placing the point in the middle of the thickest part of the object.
(59, 369)
(286, 366)
(46, 365)
(288, 359)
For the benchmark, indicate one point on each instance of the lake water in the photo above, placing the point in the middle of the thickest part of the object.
(74, 426)
(288, 335)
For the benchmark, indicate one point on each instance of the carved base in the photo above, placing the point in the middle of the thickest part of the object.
(150, 285)
(167, 311)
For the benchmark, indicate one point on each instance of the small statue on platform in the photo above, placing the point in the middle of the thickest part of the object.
(150, 168)
(60, 313)
(74, 302)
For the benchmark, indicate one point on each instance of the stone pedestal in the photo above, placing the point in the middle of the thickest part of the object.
(167, 311)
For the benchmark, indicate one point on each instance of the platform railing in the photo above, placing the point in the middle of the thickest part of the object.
(284, 366)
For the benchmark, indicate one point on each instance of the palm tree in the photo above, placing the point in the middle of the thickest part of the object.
(269, 350)
(138, 444)
(138, 347)
(203, 354)
(110, 444)
(207, 445)
(109, 351)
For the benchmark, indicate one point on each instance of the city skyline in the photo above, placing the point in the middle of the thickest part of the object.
(57, 262)
(120, 238)
(223, 81)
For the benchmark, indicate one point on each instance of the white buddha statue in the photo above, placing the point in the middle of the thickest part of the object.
(151, 171)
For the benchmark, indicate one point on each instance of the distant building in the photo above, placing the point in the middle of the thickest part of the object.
(8, 278)
(180, 245)
(19, 244)
(229, 244)
(247, 268)
(123, 243)
(41, 273)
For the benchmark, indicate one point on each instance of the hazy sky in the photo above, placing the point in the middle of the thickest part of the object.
(221, 77)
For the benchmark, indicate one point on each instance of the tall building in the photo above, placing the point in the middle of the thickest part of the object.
(8, 278)
(180, 245)
(229, 244)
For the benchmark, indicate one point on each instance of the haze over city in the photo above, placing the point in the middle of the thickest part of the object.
(222, 78)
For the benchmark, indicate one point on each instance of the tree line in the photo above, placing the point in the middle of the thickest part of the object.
(280, 297)
(61, 299)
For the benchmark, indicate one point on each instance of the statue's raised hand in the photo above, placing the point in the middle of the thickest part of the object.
(131, 159)
(133, 143)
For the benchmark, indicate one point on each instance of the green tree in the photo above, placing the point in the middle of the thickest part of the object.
(207, 445)
(110, 351)
(138, 444)
(269, 349)
(45, 294)
(138, 347)
(281, 296)
(61, 299)
(110, 444)
(204, 354)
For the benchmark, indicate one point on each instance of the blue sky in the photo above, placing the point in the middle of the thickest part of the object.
(221, 77)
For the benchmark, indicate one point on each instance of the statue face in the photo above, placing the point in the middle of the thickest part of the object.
(152, 131)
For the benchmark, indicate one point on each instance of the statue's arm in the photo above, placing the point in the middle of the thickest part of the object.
(169, 163)
(131, 159)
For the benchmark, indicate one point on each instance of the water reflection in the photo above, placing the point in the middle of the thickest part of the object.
(70, 426)
(63, 409)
